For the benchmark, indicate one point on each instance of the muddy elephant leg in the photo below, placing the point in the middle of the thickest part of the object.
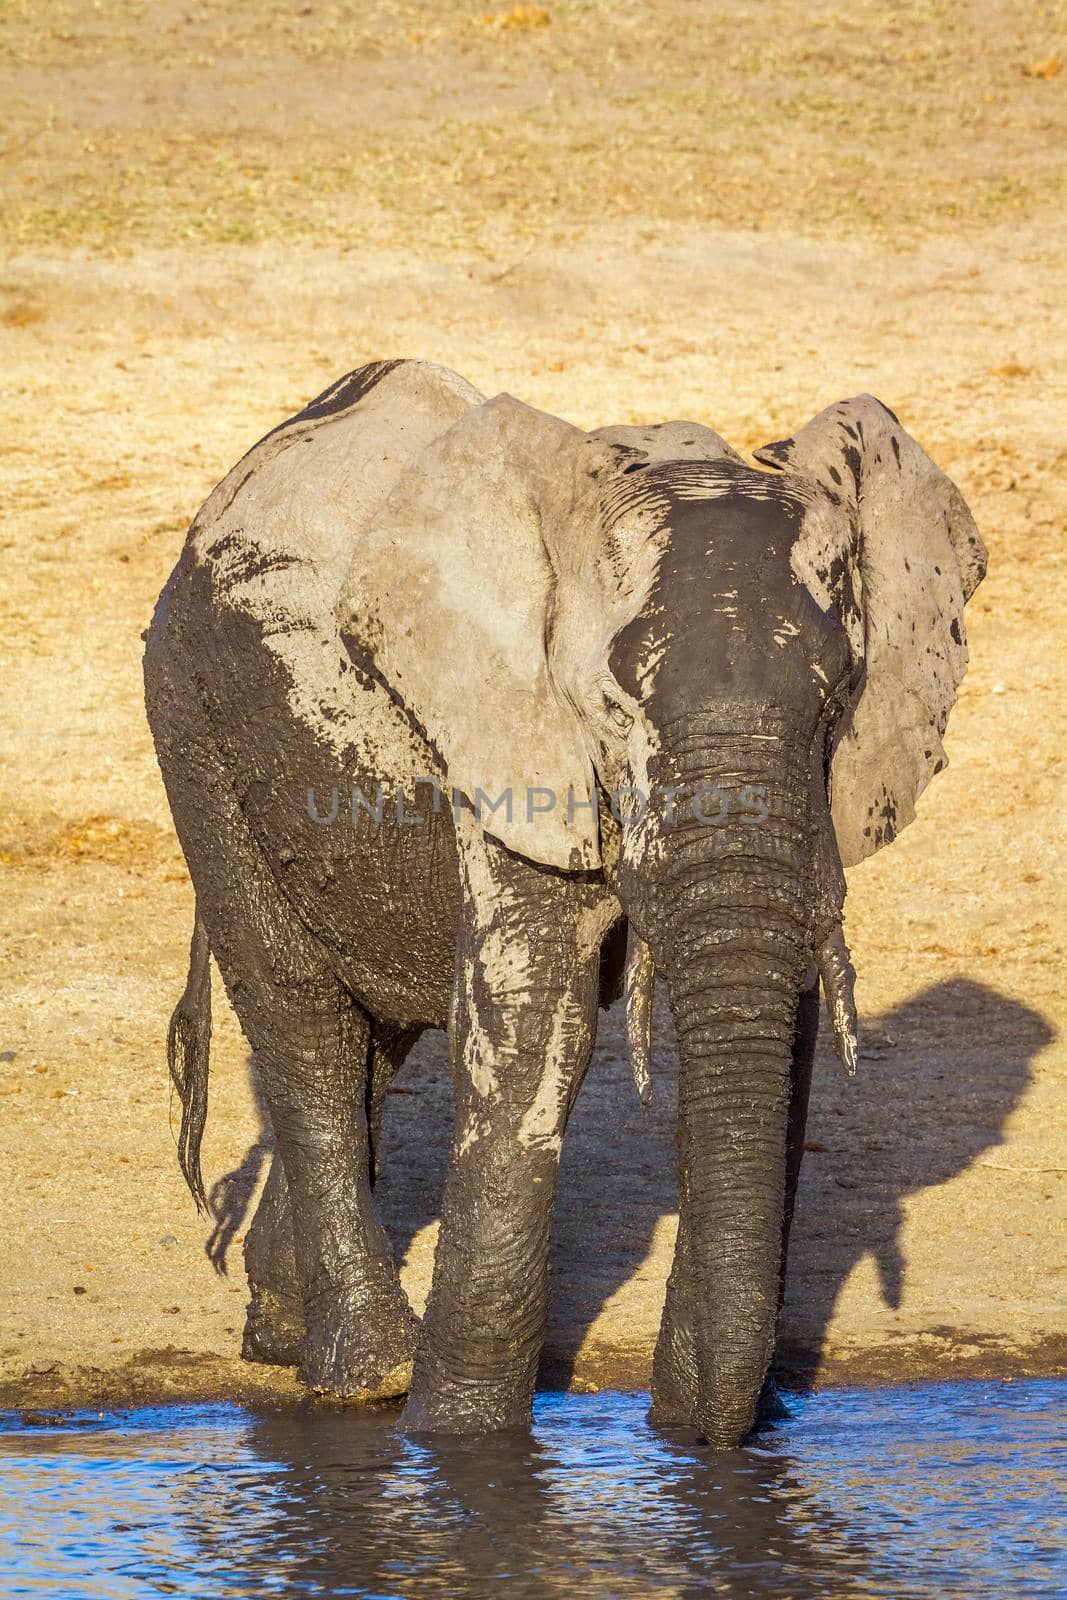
(674, 1369)
(311, 1048)
(274, 1327)
(311, 1045)
(521, 1033)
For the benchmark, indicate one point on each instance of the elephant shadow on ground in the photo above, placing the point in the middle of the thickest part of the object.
(230, 1196)
(939, 1077)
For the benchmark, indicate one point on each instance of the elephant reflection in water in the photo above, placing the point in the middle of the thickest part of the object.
(610, 1508)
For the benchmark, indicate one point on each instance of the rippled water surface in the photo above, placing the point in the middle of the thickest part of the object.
(942, 1490)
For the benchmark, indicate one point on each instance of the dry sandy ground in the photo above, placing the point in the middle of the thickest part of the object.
(619, 213)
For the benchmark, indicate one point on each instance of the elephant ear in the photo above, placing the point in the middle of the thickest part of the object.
(906, 528)
(449, 599)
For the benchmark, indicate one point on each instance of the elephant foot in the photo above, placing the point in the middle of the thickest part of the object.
(389, 1385)
(359, 1356)
(274, 1329)
(467, 1407)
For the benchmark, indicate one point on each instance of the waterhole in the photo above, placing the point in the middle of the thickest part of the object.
(939, 1490)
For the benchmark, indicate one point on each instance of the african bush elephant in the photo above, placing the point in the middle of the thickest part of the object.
(414, 641)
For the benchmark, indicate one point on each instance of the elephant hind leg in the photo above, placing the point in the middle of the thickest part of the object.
(274, 1325)
(311, 1044)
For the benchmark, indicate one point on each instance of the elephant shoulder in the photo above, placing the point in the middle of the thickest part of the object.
(277, 534)
(253, 597)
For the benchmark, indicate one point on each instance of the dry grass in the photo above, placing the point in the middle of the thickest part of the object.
(137, 846)
(437, 124)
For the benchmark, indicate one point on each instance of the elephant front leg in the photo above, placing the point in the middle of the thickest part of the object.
(674, 1365)
(521, 1033)
(476, 1365)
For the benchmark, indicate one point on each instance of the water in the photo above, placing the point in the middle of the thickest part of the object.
(941, 1490)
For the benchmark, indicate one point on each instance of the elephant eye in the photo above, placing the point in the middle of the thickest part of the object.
(618, 716)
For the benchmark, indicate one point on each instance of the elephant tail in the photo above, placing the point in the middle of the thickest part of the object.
(188, 1057)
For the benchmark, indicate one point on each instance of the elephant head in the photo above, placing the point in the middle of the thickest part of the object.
(758, 666)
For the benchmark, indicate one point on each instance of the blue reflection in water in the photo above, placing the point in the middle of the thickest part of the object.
(942, 1490)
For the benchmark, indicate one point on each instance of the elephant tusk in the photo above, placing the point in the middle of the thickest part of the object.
(839, 985)
(640, 980)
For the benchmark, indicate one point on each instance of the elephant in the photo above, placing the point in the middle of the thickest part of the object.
(470, 719)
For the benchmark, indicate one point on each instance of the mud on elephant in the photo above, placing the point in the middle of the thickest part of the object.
(451, 699)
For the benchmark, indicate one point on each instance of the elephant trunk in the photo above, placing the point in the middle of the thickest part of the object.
(735, 1034)
(740, 924)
